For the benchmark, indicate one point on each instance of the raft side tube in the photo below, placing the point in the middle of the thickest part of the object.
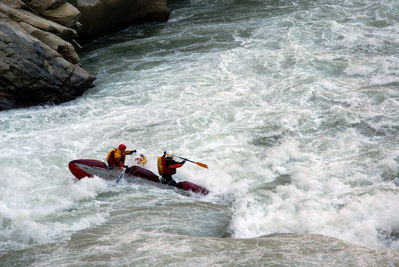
(188, 186)
(143, 173)
(79, 172)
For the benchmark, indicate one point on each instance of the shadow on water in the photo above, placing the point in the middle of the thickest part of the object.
(135, 32)
(280, 180)
(270, 140)
(388, 236)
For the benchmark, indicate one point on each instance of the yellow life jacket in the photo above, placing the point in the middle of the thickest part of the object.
(109, 153)
(115, 154)
(143, 160)
(160, 167)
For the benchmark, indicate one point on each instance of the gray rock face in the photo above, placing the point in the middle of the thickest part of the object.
(38, 63)
(33, 73)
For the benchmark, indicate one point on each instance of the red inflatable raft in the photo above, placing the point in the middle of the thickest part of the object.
(81, 168)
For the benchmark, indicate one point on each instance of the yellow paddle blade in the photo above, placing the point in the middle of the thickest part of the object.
(201, 165)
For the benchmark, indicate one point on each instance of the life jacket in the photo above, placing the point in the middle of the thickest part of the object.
(116, 158)
(163, 169)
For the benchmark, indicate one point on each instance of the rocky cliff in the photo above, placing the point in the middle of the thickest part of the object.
(38, 60)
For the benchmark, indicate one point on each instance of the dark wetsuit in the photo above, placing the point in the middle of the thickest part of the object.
(170, 169)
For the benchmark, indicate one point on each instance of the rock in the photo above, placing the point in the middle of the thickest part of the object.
(65, 14)
(158, 11)
(43, 5)
(32, 73)
(14, 3)
(61, 46)
(101, 17)
(38, 22)
(38, 61)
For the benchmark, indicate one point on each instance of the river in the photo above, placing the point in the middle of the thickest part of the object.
(293, 105)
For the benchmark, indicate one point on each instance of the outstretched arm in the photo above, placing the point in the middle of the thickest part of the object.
(129, 152)
(174, 164)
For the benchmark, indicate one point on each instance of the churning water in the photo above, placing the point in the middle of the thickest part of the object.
(292, 104)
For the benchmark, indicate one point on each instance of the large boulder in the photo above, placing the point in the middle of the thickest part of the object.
(100, 17)
(32, 73)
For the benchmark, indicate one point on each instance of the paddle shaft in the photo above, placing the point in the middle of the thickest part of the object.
(197, 163)
(124, 170)
(120, 177)
(185, 159)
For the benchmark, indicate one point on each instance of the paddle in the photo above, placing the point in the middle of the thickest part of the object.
(124, 170)
(198, 163)
(120, 177)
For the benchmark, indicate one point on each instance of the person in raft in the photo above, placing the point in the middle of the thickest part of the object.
(167, 167)
(141, 160)
(116, 157)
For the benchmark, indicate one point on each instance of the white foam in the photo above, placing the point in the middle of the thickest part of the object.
(295, 97)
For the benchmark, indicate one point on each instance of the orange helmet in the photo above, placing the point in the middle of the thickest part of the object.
(122, 147)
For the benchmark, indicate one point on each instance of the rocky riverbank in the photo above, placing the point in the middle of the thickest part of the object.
(39, 39)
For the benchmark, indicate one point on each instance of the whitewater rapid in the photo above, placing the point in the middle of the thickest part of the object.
(292, 105)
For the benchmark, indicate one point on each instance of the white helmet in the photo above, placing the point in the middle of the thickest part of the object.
(169, 154)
